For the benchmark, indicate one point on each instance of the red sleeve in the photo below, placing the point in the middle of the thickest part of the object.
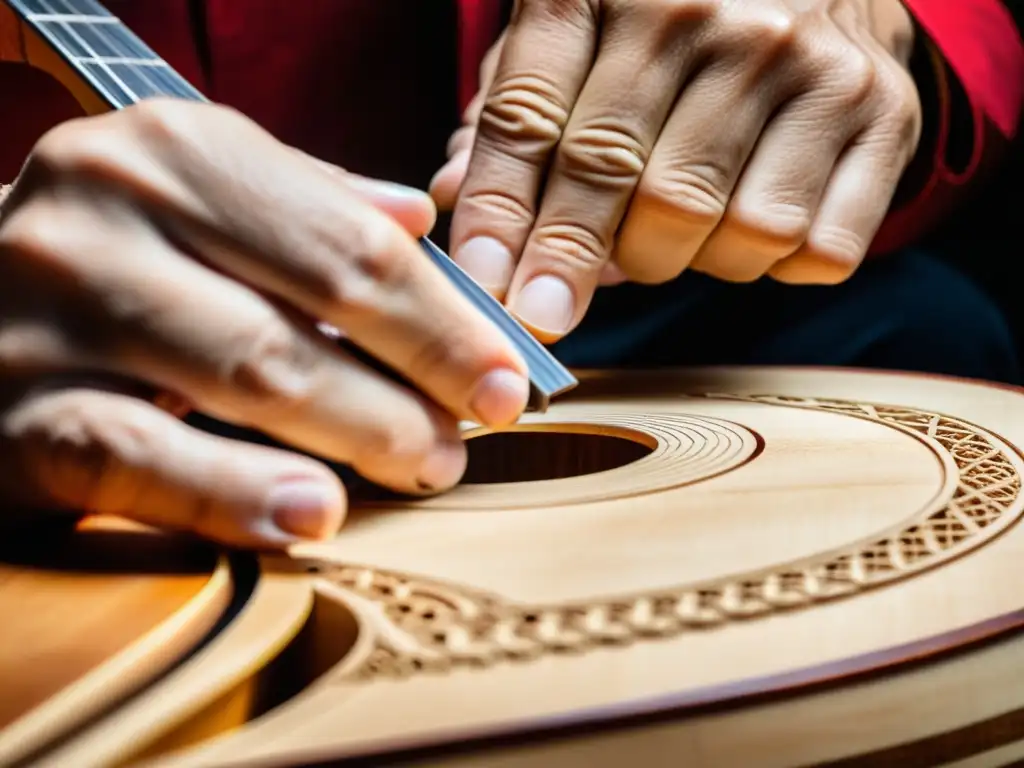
(479, 27)
(979, 68)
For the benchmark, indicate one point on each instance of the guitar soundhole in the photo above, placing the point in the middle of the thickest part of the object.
(524, 455)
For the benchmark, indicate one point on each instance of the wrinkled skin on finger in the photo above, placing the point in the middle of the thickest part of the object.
(637, 139)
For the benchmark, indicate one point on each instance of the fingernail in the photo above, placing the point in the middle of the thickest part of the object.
(389, 189)
(443, 467)
(303, 508)
(488, 262)
(547, 303)
(500, 397)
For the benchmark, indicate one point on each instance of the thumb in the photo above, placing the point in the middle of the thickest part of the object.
(101, 452)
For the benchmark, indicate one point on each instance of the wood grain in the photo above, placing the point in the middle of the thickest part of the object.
(792, 567)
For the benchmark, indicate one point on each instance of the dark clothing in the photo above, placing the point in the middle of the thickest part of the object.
(907, 311)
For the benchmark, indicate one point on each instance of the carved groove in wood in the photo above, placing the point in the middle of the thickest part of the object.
(690, 449)
(423, 625)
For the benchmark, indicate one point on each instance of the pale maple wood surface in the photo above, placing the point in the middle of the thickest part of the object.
(694, 549)
(772, 529)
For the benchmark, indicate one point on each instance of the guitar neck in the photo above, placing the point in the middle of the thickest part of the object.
(106, 66)
(110, 59)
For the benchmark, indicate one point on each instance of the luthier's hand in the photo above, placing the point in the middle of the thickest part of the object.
(178, 248)
(737, 139)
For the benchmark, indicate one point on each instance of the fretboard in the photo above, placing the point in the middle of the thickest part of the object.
(123, 70)
(118, 66)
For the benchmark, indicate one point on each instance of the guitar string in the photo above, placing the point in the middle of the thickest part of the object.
(153, 79)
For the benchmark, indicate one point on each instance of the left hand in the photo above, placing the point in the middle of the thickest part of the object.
(739, 139)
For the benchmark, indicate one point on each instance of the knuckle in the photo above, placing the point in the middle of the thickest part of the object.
(163, 121)
(574, 248)
(81, 455)
(901, 111)
(768, 30)
(777, 228)
(405, 438)
(684, 12)
(854, 78)
(28, 234)
(78, 149)
(486, 204)
(603, 156)
(273, 366)
(29, 345)
(698, 192)
(374, 249)
(775, 30)
(437, 354)
(836, 252)
(577, 11)
(376, 261)
(524, 115)
(669, 23)
(25, 233)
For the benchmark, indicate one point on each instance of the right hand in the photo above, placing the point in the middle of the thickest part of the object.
(178, 248)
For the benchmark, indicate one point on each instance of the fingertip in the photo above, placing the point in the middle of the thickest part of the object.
(808, 268)
(547, 305)
(309, 508)
(412, 208)
(443, 467)
(489, 262)
(500, 397)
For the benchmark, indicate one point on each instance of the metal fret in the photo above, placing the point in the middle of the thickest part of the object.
(77, 8)
(121, 68)
(71, 17)
(130, 62)
(88, 40)
(123, 71)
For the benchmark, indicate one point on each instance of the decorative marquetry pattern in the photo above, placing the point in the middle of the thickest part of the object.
(424, 625)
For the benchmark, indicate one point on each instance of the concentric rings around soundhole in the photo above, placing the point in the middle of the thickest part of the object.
(684, 449)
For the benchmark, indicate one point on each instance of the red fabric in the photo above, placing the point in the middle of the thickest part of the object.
(982, 47)
(369, 84)
(479, 27)
(31, 102)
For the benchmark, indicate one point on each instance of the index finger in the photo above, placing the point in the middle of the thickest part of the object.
(292, 228)
(543, 65)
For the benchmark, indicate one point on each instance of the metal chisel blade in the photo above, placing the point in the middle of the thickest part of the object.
(548, 377)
